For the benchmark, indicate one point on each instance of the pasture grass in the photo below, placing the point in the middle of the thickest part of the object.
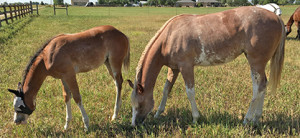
(223, 93)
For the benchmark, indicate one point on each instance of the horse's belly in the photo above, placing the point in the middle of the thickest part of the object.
(213, 58)
(89, 64)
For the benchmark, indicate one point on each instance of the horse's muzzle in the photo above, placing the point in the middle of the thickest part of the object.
(139, 120)
(20, 121)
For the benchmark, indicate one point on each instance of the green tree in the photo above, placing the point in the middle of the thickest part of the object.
(58, 2)
(282, 2)
(255, 2)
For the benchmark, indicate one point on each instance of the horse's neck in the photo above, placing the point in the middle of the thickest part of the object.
(291, 21)
(151, 67)
(33, 82)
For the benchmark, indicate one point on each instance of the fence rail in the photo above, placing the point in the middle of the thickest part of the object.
(15, 12)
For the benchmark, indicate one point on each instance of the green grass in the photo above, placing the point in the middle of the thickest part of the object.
(223, 93)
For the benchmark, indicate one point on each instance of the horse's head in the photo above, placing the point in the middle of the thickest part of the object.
(288, 29)
(22, 111)
(142, 103)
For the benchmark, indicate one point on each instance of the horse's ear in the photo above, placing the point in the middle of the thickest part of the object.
(14, 92)
(130, 83)
(140, 89)
(20, 87)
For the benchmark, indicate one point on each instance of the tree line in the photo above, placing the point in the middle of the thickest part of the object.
(173, 2)
(223, 2)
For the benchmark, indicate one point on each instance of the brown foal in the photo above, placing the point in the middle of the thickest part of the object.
(66, 55)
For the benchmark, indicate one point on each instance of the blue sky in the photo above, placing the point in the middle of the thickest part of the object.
(45, 1)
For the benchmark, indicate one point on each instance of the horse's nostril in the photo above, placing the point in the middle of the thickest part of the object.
(17, 122)
(139, 120)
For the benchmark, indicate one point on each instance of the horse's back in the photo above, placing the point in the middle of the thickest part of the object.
(220, 37)
(86, 50)
(296, 14)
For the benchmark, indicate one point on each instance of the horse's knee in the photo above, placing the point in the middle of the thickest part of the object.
(118, 78)
(77, 98)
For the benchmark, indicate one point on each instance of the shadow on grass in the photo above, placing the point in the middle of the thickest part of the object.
(11, 29)
(281, 124)
(177, 121)
(292, 38)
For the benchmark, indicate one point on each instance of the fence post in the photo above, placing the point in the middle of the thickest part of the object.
(15, 11)
(37, 9)
(5, 14)
(67, 9)
(11, 15)
(54, 9)
(27, 9)
(31, 7)
(21, 9)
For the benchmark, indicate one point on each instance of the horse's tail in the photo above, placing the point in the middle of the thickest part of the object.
(126, 61)
(289, 24)
(277, 61)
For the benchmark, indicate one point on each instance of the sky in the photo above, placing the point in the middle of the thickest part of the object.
(45, 1)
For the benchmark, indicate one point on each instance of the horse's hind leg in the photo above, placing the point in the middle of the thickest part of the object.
(114, 70)
(298, 34)
(297, 24)
(171, 78)
(67, 96)
(71, 83)
(259, 81)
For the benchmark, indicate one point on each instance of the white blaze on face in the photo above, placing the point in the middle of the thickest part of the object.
(17, 103)
(19, 116)
(134, 112)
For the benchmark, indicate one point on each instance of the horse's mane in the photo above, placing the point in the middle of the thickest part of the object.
(150, 43)
(291, 21)
(33, 58)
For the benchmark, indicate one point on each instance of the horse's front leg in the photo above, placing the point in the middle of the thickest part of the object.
(187, 72)
(71, 83)
(67, 97)
(171, 78)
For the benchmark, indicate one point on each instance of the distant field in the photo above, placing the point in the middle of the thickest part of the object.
(223, 93)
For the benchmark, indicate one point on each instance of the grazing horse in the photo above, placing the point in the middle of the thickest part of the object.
(66, 55)
(271, 7)
(294, 18)
(186, 41)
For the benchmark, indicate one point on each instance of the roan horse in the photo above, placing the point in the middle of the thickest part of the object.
(186, 41)
(66, 55)
(271, 7)
(294, 18)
